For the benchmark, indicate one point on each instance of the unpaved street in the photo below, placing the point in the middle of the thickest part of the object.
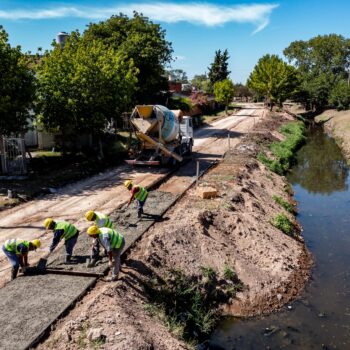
(105, 191)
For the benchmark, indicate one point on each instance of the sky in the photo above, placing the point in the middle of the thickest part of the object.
(196, 29)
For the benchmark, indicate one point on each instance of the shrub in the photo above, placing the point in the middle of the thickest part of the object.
(286, 205)
(284, 224)
(229, 274)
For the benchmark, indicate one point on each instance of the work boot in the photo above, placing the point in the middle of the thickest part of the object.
(68, 259)
(14, 272)
(139, 213)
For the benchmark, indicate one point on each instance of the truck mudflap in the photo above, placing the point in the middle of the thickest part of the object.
(142, 162)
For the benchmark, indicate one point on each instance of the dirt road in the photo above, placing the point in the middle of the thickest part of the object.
(105, 191)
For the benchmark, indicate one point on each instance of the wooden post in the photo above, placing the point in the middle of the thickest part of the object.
(197, 173)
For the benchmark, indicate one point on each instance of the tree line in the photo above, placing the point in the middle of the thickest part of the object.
(81, 86)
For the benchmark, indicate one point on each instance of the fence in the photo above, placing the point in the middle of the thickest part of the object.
(13, 156)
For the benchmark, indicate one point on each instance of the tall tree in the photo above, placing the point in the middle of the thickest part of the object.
(83, 85)
(178, 75)
(218, 70)
(224, 92)
(322, 61)
(142, 41)
(17, 86)
(274, 79)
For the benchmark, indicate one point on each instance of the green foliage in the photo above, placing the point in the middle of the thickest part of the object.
(283, 203)
(340, 95)
(17, 84)
(223, 91)
(189, 304)
(242, 91)
(284, 224)
(284, 151)
(208, 272)
(218, 70)
(201, 82)
(83, 85)
(182, 103)
(178, 75)
(141, 41)
(229, 274)
(274, 79)
(322, 62)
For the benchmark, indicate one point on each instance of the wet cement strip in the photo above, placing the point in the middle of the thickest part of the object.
(31, 304)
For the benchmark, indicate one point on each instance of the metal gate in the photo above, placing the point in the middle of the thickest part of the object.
(13, 157)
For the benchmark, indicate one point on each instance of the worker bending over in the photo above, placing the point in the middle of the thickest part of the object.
(113, 242)
(62, 230)
(101, 220)
(138, 193)
(16, 251)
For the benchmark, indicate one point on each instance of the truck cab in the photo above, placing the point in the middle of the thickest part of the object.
(186, 131)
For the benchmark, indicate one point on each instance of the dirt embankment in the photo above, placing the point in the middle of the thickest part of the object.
(337, 123)
(230, 232)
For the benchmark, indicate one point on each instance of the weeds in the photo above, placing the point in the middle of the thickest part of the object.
(283, 152)
(83, 336)
(187, 305)
(229, 274)
(286, 205)
(208, 272)
(284, 224)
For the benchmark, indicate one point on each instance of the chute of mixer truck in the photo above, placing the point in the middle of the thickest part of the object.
(164, 136)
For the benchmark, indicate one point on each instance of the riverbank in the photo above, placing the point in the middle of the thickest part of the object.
(337, 124)
(240, 253)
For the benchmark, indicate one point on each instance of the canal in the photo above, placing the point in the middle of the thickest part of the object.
(320, 317)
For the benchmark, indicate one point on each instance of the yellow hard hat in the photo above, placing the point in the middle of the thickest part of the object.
(128, 184)
(89, 215)
(93, 230)
(48, 223)
(36, 243)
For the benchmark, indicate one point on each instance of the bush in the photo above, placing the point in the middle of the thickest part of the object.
(286, 205)
(284, 224)
(340, 95)
(179, 103)
(284, 151)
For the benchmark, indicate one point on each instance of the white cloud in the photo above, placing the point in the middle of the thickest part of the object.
(198, 13)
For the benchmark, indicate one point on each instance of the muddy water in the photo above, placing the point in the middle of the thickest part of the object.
(320, 318)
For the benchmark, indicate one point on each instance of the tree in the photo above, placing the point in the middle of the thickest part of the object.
(218, 70)
(201, 82)
(322, 62)
(242, 91)
(83, 85)
(142, 41)
(17, 86)
(223, 91)
(274, 79)
(340, 95)
(178, 75)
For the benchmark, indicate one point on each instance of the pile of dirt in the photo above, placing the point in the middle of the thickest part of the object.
(232, 231)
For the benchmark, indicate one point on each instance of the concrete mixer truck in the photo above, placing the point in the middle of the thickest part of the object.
(164, 136)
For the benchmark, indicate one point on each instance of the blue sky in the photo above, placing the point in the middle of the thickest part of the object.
(248, 29)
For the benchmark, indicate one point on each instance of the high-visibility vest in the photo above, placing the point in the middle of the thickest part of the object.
(69, 229)
(106, 220)
(141, 195)
(11, 245)
(116, 238)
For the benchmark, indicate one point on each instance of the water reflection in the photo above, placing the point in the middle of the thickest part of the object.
(321, 166)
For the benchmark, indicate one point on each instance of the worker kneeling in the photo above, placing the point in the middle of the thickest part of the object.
(139, 193)
(63, 230)
(113, 242)
(101, 220)
(16, 251)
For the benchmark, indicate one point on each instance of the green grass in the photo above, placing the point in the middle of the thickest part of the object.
(283, 203)
(229, 274)
(284, 224)
(188, 305)
(283, 152)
